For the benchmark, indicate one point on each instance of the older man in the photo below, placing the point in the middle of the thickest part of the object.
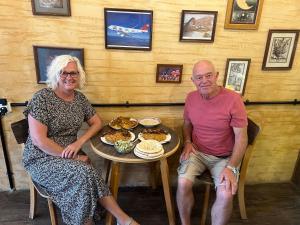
(215, 138)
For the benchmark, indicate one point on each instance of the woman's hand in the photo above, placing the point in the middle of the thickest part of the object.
(83, 158)
(71, 150)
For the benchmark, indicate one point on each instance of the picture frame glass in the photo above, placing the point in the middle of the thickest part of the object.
(244, 12)
(168, 73)
(236, 74)
(280, 49)
(51, 7)
(44, 56)
(198, 26)
(128, 29)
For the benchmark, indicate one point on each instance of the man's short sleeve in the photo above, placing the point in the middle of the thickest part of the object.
(186, 109)
(238, 114)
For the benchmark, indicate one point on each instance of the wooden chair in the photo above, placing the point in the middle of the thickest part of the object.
(20, 131)
(205, 178)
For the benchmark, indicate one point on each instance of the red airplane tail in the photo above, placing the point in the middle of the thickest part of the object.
(145, 27)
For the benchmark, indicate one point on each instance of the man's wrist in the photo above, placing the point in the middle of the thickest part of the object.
(187, 142)
(234, 170)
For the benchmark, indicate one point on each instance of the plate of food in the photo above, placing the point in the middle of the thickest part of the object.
(157, 134)
(117, 135)
(147, 156)
(123, 123)
(149, 121)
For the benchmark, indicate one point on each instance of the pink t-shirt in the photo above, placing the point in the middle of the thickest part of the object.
(213, 120)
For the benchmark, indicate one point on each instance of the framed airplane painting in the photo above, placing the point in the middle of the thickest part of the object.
(128, 29)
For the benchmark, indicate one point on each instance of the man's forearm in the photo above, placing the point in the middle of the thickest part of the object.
(187, 132)
(239, 148)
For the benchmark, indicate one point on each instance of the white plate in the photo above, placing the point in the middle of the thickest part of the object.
(149, 121)
(150, 147)
(103, 139)
(168, 138)
(131, 119)
(145, 157)
(149, 155)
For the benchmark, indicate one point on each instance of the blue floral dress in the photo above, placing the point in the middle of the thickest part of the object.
(74, 186)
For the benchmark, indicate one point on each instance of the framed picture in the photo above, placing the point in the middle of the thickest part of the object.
(198, 26)
(236, 74)
(280, 49)
(43, 56)
(243, 14)
(128, 29)
(168, 73)
(51, 7)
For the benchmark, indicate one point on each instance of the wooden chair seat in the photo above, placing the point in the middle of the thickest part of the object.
(20, 131)
(206, 179)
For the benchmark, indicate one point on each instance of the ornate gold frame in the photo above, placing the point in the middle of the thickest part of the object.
(243, 26)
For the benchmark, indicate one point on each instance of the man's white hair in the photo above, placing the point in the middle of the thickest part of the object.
(56, 68)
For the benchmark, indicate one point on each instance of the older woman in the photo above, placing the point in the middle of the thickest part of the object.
(51, 156)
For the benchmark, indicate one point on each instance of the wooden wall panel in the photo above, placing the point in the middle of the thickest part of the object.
(117, 76)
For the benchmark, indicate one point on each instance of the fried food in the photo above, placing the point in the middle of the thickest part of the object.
(123, 122)
(117, 135)
(157, 134)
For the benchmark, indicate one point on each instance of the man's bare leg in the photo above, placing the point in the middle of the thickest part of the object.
(222, 208)
(185, 200)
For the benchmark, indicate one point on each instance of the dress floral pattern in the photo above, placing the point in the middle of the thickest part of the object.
(74, 186)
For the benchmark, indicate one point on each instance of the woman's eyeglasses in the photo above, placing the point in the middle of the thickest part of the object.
(72, 74)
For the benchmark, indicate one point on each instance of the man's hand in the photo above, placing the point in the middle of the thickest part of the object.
(188, 148)
(229, 180)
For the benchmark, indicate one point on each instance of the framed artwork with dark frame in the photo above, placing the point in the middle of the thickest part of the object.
(128, 29)
(243, 14)
(168, 73)
(43, 56)
(198, 26)
(280, 49)
(236, 74)
(51, 7)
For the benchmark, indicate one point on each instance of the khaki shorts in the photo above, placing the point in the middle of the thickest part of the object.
(198, 162)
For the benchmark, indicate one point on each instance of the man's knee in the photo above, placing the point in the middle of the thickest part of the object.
(224, 196)
(184, 186)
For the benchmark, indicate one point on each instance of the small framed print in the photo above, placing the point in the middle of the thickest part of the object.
(128, 29)
(43, 56)
(168, 73)
(243, 14)
(236, 74)
(280, 49)
(198, 26)
(51, 7)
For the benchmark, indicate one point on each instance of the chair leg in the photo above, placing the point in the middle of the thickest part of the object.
(241, 197)
(32, 191)
(108, 168)
(205, 204)
(52, 212)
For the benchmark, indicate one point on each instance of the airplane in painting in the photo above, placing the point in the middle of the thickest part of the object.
(125, 31)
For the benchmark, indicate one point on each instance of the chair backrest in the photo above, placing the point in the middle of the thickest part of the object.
(20, 130)
(252, 130)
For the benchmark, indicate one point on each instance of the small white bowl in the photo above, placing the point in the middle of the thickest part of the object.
(149, 121)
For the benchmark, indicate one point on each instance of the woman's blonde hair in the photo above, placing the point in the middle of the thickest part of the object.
(56, 68)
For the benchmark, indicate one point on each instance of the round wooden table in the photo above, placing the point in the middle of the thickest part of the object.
(109, 153)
